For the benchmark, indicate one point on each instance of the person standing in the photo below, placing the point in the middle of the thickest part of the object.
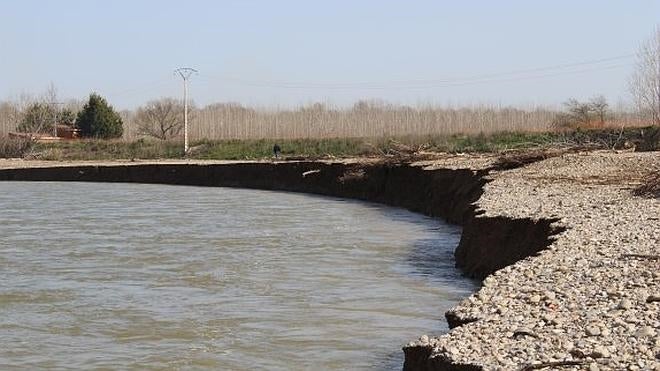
(276, 151)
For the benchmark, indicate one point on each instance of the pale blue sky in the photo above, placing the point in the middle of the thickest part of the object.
(290, 52)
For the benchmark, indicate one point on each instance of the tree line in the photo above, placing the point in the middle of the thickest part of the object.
(163, 118)
(96, 118)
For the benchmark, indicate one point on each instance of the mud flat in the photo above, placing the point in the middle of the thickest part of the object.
(568, 255)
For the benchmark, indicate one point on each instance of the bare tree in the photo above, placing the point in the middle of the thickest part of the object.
(580, 112)
(600, 108)
(162, 119)
(645, 82)
(9, 116)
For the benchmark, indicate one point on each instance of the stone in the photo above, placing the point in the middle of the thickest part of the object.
(549, 295)
(644, 332)
(601, 352)
(625, 304)
(592, 330)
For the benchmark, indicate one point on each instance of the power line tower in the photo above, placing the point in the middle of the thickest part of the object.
(56, 110)
(185, 73)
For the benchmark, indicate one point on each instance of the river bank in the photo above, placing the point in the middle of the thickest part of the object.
(573, 251)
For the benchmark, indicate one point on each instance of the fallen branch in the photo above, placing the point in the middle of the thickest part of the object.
(552, 364)
(650, 186)
(524, 333)
(520, 158)
(310, 172)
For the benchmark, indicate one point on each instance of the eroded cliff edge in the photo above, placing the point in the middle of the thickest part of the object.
(446, 193)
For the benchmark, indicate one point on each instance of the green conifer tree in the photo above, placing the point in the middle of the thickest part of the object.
(99, 120)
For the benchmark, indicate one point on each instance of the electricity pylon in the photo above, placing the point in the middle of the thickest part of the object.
(185, 73)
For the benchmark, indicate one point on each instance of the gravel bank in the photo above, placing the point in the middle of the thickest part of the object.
(592, 299)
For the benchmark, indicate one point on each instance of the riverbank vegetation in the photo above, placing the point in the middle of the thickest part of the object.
(233, 132)
(647, 138)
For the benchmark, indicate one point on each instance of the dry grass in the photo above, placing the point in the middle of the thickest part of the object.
(15, 147)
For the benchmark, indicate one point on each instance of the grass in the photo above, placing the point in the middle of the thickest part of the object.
(291, 148)
(262, 148)
(643, 138)
(106, 150)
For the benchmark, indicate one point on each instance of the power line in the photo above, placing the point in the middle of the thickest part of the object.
(429, 85)
(533, 77)
(424, 84)
(143, 87)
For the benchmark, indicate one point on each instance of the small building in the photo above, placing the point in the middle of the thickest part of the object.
(67, 132)
(64, 132)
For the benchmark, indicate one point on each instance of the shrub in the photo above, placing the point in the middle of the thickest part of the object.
(37, 118)
(583, 114)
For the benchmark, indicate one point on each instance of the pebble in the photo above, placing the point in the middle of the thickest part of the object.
(549, 295)
(645, 331)
(592, 330)
(625, 304)
(601, 352)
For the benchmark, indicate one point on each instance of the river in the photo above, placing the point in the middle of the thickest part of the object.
(134, 276)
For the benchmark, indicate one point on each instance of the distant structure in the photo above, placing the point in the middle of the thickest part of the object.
(62, 132)
(67, 132)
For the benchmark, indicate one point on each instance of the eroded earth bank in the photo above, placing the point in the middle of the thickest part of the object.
(568, 255)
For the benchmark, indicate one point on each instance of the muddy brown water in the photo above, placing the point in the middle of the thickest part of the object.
(130, 276)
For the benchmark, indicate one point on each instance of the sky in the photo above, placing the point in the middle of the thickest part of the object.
(287, 53)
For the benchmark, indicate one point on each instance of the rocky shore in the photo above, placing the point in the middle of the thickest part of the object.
(591, 300)
(575, 256)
